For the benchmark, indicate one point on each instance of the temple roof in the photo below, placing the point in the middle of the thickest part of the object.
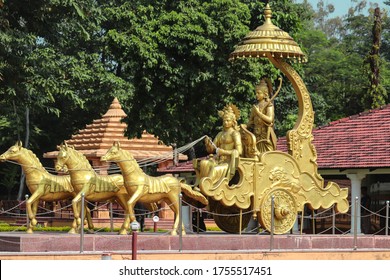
(96, 138)
(355, 142)
(358, 141)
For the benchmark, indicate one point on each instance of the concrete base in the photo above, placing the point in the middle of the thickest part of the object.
(111, 242)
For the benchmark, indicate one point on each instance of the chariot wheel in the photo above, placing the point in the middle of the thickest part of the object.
(227, 218)
(285, 211)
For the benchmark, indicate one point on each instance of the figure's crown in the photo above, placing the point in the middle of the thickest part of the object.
(231, 110)
(262, 84)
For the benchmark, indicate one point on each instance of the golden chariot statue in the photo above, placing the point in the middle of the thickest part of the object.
(248, 173)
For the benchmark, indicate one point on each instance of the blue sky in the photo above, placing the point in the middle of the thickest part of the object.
(342, 6)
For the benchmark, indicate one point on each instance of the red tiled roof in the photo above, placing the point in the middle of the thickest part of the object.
(97, 138)
(182, 167)
(358, 141)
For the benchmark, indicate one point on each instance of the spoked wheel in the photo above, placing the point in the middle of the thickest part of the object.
(227, 218)
(285, 211)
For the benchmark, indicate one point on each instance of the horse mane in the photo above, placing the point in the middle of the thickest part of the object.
(33, 156)
(128, 155)
(81, 157)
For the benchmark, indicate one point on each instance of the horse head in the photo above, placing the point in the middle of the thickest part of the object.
(115, 154)
(62, 157)
(69, 159)
(13, 153)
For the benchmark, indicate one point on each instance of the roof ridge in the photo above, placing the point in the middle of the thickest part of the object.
(355, 116)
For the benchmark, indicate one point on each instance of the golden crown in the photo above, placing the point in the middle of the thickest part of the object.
(230, 109)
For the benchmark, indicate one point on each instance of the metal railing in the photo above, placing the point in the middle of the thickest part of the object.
(314, 217)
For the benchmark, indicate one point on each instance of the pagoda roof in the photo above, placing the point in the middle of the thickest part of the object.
(95, 139)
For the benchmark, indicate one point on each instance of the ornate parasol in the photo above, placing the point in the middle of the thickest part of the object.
(268, 39)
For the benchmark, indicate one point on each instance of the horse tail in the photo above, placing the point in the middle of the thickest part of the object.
(194, 194)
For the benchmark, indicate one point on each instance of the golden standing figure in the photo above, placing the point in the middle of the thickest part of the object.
(261, 120)
(227, 146)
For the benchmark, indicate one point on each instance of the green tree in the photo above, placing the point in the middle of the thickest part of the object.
(175, 53)
(53, 77)
(9, 174)
(337, 68)
(376, 92)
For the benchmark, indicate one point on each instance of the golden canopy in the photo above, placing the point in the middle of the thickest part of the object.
(268, 39)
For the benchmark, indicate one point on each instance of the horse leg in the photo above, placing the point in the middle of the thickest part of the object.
(173, 202)
(140, 215)
(34, 207)
(73, 228)
(152, 207)
(121, 200)
(89, 219)
(76, 205)
(30, 210)
(133, 200)
(76, 213)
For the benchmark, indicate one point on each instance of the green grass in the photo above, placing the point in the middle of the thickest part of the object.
(5, 227)
(213, 228)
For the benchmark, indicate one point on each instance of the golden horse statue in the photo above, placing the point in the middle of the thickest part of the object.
(41, 184)
(95, 187)
(147, 189)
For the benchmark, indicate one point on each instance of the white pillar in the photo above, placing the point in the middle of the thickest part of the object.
(295, 228)
(356, 184)
(187, 217)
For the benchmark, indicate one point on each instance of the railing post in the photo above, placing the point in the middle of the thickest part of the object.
(82, 224)
(155, 221)
(272, 223)
(313, 221)
(27, 217)
(197, 220)
(111, 218)
(387, 218)
(333, 221)
(355, 224)
(134, 236)
(240, 223)
(180, 222)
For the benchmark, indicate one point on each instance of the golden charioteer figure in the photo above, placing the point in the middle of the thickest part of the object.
(227, 146)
